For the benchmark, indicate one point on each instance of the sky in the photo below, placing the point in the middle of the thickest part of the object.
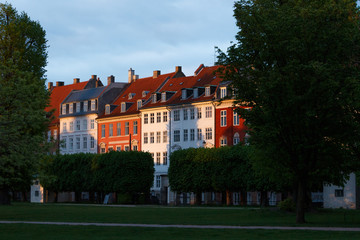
(108, 37)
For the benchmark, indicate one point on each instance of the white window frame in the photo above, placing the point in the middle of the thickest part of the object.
(208, 112)
(135, 127)
(85, 107)
(208, 133)
(93, 105)
(236, 119)
(165, 116)
(177, 115)
(223, 92)
(176, 135)
(146, 139)
(223, 118)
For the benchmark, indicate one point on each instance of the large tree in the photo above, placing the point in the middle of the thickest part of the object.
(23, 98)
(296, 65)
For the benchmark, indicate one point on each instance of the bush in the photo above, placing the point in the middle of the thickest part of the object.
(287, 205)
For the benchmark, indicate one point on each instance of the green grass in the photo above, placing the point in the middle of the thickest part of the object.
(167, 215)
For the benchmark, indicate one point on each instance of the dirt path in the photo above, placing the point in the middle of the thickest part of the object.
(185, 226)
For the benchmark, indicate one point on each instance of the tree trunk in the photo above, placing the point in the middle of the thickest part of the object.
(4, 196)
(228, 198)
(243, 198)
(198, 198)
(300, 203)
(263, 199)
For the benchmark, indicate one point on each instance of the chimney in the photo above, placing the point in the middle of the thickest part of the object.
(135, 77)
(50, 85)
(111, 79)
(177, 69)
(130, 75)
(93, 77)
(59, 84)
(76, 80)
(156, 73)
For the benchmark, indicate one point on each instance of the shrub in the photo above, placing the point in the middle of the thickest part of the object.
(287, 205)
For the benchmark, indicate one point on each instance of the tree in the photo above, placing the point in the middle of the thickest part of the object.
(296, 65)
(23, 98)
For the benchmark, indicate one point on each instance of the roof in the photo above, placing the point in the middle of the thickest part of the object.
(136, 89)
(86, 94)
(206, 76)
(58, 94)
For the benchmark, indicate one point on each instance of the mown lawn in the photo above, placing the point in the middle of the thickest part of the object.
(167, 215)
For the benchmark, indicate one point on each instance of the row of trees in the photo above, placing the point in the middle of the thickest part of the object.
(121, 172)
(225, 169)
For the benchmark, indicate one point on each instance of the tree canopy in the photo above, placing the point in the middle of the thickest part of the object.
(23, 98)
(296, 65)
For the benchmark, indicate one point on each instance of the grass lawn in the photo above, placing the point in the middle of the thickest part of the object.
(167, 215)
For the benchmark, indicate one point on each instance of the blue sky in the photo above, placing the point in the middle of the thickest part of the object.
(108, 37)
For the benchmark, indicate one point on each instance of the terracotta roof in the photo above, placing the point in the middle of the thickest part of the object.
(205, 77)
(136, 89)
(58, 94)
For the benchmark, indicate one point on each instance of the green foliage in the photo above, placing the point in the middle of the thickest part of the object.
(23, 98)
(296, 65)
(287, 205)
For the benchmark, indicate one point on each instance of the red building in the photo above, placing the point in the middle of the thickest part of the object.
(119, 127)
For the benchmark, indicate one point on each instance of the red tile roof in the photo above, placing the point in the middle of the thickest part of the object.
(58, 94)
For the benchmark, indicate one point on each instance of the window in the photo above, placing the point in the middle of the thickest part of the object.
(77, 125)
(158, 137)
(199, 112)
(339, 192)
(192, 134)
(185, 114)
(103, 130)
(84, 142)
(71, 126)
(130, 95)
(236, 119)
(55, 134)
(93, 106)
(135, 128)
(207, 91)
(158, 117)
(146, 138)
(192, 113)
(110, 130)
(92, 124)
(102, 150)
(107, 109)
(127, 148)
(110, 149)
(176, 115)
(165, 159)
(84, 124)
(64, 126)
(223, 92)
(64, 145)
(144, 93)
(64, 109)
(152, 137)
(123, 107)
(183, 94)
(78, 107)
(118, 129)
(135, 148)
(71, 108)
(176, 135)
(85, 106)
(77, 143)
(154, 98)
(186, 134)
(127, 126)
(223, 141)
(199, 134)
(158, 181)
(208, 112)
(164, 116)
(37, 193)
(236, 139)
(146, 118)
(118, 148)
(71, 143)
(152, 117)
(139, 104)
(164, 136)
(158, 157)
(223, 118)
(92, 142)
(163, 97)
(208, 133)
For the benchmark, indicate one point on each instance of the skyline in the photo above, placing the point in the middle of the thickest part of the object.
(88, 37)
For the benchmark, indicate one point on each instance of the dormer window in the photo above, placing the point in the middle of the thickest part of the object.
(183, 94)
(207, 91)
(163, 97)
(123, 107)
(78, 107)
(63, 109)
(154, 98)
(196, 92)
(139, 104)
(107, 109)
(223, 92)
(85, 106)
(144, 93)
(93, 106)
(131, 95)
(71, 108)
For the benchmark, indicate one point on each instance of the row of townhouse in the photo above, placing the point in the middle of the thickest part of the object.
(157, 114)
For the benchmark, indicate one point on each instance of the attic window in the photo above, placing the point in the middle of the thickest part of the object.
(207, 91)
(123, 107)
(85, 106)
(107, 109)
(154, 98)
(183, 94)
(163, 97)
(223, 92)
(130, 96)
(71, 108)
(139, 104)
(64, 109)
(195, 92)
(144, 93)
